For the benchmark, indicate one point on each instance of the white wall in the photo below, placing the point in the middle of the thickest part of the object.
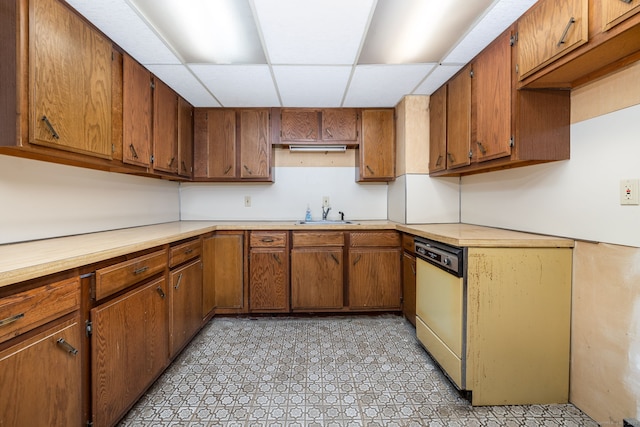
(40, 200)
(287, 198)
(418, 199)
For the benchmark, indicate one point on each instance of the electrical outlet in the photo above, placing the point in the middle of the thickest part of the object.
(247, 201)
(325, 201)
(629, 192)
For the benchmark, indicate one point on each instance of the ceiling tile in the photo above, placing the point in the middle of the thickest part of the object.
(180, 79)
(383, 85)
(311, 86)
(312, 31)
(125, 27)
(239, 85)
(438, 76)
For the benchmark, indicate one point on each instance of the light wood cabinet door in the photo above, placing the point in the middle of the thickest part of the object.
(255, 147)
(438, 130)
(377, 151)
(215, 143)
(269, 280)
(223, 273)
(129, 349)
(340, 125)
(317, 279)
(549, 30)
(374, 278)
(185, 138)
(459, 119)
(186, 304)
(165, 128)
(136, 113)
(42, 378)
(70, 77)
(299, 125)
(616, 11)
(492, 89)
(409, 287)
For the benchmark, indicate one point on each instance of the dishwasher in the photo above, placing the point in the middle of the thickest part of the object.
(441, 305)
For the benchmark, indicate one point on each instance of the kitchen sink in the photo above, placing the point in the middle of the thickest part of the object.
(325, 222)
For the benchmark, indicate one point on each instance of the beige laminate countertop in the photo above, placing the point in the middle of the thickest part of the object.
(29, 260)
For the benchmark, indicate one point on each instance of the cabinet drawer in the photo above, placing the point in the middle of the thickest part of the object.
(407, 243)
(382, 238)
(27, 310)
(184, 252)
(268, 239)
(318, 238)
(110, 280)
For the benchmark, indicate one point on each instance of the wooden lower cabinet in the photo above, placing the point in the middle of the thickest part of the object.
(129, 349)
(223, 274)
(41, 378)
(317, 279)
(269, 272)
(186, 305)
(409, 287)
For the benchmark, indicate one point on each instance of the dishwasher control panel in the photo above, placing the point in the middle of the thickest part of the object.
(447, 257)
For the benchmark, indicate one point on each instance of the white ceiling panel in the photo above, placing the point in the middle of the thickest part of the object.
(311, 86)
(438, 76)
(239, 85)
(383, 85)
(180, 79)
(125, 27)
(327, 32)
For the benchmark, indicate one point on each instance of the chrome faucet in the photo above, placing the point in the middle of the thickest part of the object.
(325, 212)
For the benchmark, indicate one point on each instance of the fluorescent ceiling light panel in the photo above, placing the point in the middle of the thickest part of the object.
(317, 148)
(206, 31)
(417, 31)
(326, 32)
(312, 86)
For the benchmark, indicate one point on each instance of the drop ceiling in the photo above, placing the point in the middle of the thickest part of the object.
(306, 53)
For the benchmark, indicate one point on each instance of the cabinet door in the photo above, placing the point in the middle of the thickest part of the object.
(136, 113)
(549, 30)
(42, 379)
(129, 348)
(165, 128)
(317, 279)
(438, 130)
(409, 287)
(185, 138)
(374, 278)
(268, 280)
(616, 11)
(299, 126)
(186, 304)
(255, 147)
(223, 274)
(459, 119)
(215, 143)
(340, 124)
(377, 150)
(70, 78)
(492, 91)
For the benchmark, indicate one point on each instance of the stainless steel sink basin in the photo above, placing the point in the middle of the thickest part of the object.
(325, 222)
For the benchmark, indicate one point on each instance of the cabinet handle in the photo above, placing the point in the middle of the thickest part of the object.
(11, 319)
(248, 170)
(451, 158)
(329, 133)
(481, 148)
(627, 1)
(266, 240)
(277, 258)
(133, 151)
(370, 170)
(562, 41)
(160, 292)
(188, 251)
(335, 259)
(413, 268)
(178, 283)
(439, 161)
(67, 347)
(140, 270)
(51, 128)
(357, 260)
(226, 171)
(173, 159)
(309, 133)
(184, 167)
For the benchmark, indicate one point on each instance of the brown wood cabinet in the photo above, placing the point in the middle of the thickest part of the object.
(549, 30)
(165, 128)
(256, 157)
(223, 274)
(409, 279)
(374, 270)
(185, 138)
(269, 271)
(459, 119)
(376, 152)
(616, 11)
(70, 80)
(129, 349)
(317, 126)
(317, 271)
(186, 304)
(136, 113)
(438, 130)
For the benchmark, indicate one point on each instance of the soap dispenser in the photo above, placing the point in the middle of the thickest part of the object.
(307, 215)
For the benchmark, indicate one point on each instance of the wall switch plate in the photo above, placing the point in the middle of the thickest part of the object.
(247, 201)
(629, 192)
(325, 201)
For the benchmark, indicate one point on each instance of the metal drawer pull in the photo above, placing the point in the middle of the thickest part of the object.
(450, 157)
(248, 170)
(173, 159)
(133, 151)
(335, 259)
(481, 147)
(178, 283)
(226, 171)
(627, 1)
(140, 270)
(51, 128)
(277, 258)
(184, 167)
(11, 319)
(67, 347)
(188, 251)
(370, 170)
(310, 133)
(357, 259)
(329, 133)
(267, 240)
(413, 268)
(439, 161)
(566, 30)
(160, 292)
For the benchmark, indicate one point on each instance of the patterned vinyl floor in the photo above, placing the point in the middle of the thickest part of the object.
(331, 371)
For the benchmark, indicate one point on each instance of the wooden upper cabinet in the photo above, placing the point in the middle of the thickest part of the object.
(322, 126)
(438, 130)
(214, 143)
(340, 125)
(299, 125)
(550, 29)
(185, 138)
(255, 147)
(70, 78)
(459, 119)
(616, 11)
(165, 128)
(376, 153)
(136, 113)
(492, 89)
